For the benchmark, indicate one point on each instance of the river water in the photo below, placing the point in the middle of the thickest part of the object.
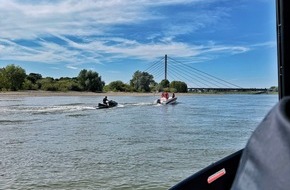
(63, 142)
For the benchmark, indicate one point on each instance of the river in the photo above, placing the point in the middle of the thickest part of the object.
(63, 142)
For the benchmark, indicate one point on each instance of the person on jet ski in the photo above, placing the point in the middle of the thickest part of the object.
(105, 100)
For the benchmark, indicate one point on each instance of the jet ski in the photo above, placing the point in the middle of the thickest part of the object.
(110, 104)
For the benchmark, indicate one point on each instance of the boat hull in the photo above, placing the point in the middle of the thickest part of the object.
(164, 101)
(170, 101)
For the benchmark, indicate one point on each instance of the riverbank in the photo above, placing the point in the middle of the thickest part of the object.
(72, 93)
(69, 93)
(40, 93)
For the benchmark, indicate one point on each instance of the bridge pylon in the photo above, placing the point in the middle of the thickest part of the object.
(165, 71)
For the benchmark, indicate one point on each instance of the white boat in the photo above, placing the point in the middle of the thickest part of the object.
(165, 101)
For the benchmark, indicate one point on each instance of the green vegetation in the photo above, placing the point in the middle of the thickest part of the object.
(141, 81)
(118, 86)
(179, 86)
(273, 89)
(164, 83)
(174, 86)
(13, 78)
(90, 81)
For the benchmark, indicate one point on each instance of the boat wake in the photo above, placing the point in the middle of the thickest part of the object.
(58, 109)
(65, 108)
(48, 109)
(135, 104)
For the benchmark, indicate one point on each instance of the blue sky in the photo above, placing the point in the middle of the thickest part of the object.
(234, 40)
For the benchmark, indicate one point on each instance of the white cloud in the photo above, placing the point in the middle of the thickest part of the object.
(74, 17)
(270, 44)
(72, 67)
(80, 53)
(95, 24)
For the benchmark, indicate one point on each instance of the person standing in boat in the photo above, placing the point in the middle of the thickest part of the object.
(105, 100)
(173, 95)
(166, 95)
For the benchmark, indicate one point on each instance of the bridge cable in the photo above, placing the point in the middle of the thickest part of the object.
(206, 73)
(154, 64)
(210, 79)
(196, 78)
(182, 79)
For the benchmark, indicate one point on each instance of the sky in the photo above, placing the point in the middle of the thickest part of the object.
(234, 40)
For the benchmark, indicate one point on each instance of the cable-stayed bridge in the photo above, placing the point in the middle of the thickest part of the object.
(196, 80)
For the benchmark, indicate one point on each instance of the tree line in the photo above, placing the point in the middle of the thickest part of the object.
(14, 78)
